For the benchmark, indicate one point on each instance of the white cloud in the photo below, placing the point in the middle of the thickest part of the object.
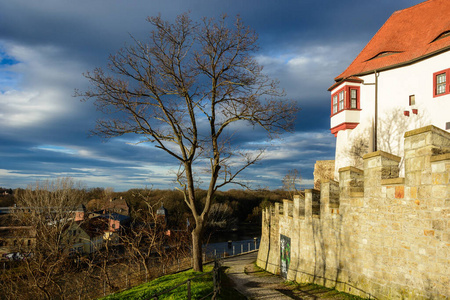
(43, 88)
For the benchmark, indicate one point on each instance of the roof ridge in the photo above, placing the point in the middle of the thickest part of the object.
(412, 7)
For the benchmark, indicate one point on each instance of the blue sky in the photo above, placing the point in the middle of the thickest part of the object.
(45, 46)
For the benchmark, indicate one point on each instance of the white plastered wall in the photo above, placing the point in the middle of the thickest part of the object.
(394, 88)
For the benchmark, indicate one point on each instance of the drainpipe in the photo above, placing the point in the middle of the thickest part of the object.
(375, 122)
(376, 113)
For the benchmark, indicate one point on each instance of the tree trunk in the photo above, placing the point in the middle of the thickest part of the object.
(197, 235)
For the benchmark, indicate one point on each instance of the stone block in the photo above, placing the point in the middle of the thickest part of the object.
(440, 178)
(399, 192)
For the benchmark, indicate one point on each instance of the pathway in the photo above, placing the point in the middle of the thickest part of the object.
(252, 287)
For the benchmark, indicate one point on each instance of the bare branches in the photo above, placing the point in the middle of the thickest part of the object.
(182, 90)
(291, 183)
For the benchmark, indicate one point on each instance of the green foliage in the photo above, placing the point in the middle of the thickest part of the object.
(200, 287)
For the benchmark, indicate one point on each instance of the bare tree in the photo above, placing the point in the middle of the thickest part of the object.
(291, 183)
(145, 235)
(183, 90)
(392, 127)
(49, 208)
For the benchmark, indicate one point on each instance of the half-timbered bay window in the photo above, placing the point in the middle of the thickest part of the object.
(441, 83)
(345, 98)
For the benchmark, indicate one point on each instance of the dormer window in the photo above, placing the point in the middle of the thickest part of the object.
(441, 83)
(441, 36)
(345, 98)
(384, 54)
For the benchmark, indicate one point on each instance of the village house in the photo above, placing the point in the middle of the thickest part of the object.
(400, 81)
(89, 235)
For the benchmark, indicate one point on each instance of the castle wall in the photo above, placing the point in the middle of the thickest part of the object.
(372, 234)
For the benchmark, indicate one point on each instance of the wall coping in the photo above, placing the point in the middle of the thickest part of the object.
(440, 157)
(426, 129)
(382, 154)
(351, 169)
(314, 190)
(390, 181)
(327, 181)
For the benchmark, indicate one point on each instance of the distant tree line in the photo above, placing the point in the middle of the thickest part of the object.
(236, 206)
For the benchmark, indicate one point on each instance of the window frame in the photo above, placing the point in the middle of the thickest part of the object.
(336, 107)
(445, 72)
(334, 104)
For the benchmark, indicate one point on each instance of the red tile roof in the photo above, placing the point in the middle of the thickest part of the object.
(408, 35)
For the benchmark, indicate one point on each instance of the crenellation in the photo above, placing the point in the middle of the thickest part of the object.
(373, 234)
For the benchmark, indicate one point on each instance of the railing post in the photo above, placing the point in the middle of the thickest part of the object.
(189, 289)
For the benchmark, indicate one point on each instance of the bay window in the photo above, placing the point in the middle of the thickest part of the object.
(345, 98)
(335, 104)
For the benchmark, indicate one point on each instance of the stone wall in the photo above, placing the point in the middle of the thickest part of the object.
(372, 234)
(323, 171)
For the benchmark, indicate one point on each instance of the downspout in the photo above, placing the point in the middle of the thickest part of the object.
(376, 113)
(375, 121)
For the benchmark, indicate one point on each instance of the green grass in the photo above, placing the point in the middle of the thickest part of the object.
(200, 287)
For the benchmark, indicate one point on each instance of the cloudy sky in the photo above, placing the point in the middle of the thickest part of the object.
(46, 45)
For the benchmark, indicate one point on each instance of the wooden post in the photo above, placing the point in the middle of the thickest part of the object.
(189, 289)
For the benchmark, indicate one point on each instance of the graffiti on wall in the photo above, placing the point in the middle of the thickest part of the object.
(285, 255)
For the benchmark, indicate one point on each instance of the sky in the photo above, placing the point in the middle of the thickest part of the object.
(46, 46)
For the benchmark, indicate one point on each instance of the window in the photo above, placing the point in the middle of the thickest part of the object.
(412, 100)
(345, 98)
(341, 100)
(353, 94)
(335, 104)
(441, 83)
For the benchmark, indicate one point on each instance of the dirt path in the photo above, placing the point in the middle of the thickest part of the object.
(250, 286)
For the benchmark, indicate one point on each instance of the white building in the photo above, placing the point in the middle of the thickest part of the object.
(398, 82)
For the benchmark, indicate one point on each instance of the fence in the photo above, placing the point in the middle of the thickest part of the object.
(122, 276)
(229, 248)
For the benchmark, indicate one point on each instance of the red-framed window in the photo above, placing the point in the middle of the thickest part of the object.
(345, 98)
(441, 83)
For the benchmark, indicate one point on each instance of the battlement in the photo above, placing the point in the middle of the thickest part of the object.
(373, 233)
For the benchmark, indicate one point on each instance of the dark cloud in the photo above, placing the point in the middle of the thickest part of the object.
(45, 47)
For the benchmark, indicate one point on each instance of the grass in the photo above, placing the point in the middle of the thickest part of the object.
(200, 287)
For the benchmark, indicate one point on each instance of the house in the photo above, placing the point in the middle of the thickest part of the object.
(88, 236)
(115, 221)
(15, 238)
(399, 81)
